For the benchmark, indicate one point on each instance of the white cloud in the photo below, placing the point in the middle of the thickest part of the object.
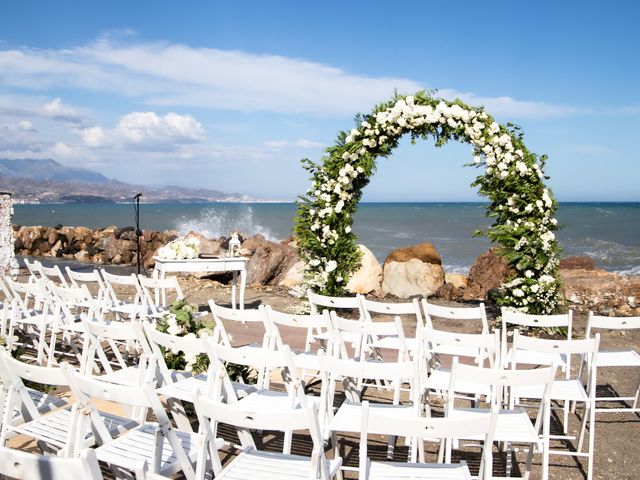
(302, 143)
(146, 130)
(163, 73)
(170, 74)
(276, 144)
(510, 107)
(26, 126)
(59, 111)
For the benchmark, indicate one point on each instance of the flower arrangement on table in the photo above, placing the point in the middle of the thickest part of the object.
(180, 249)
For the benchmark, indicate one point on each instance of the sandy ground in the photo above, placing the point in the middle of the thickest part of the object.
(617, 445)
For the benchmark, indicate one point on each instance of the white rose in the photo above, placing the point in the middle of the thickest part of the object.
(331, 266)
(347, 229)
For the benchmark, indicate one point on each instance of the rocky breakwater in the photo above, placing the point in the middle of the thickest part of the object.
(106, 245)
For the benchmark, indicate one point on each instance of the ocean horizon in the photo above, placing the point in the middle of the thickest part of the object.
(608, 232)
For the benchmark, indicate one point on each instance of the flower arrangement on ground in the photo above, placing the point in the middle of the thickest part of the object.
(512, 179)
(180, 249)
(181, 322)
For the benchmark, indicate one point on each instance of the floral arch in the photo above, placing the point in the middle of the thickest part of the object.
(512, 180)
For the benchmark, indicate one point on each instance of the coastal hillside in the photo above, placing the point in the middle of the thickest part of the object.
(48, 181)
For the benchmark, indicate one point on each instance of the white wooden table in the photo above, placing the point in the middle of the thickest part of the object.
(236, 265)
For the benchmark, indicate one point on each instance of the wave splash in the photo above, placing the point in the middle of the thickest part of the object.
(221, 221)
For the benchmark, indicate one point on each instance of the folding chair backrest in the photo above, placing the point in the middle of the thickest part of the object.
(510, 317)
(211, 412)
(385, 308)
(73, 297)
(33, 270)
(586, 348)
(51, 273)
(251, 357)
(610, 323)
(254, 316)
(318, 301)
(391, 371)
(367, 332)
(30, 372)
(30, 466)
(479, 346)
(275, 320)
(155, 290)
(78, 278)
(455, 313)
(25, 293)
(158, 340)
(498, 379)
(124, 280)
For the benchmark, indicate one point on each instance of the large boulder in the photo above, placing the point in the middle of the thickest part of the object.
(207, 246)
(368, 277)
(425, 252)
(414, 277)
(602, 292)
(270, 263)
(294, 276)
(488, 272)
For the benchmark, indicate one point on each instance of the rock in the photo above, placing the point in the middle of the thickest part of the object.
(118, 251)
(369, 276)
(82, 256)
(489, 271)
(582, 262)
(251, 244)
(414, 277)
(270, 263)
(424, 252)
(210, 247)
(294, 276)
(458, 280)
(602, 292)
(125, 233)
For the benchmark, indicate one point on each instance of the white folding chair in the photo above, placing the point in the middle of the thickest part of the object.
(341, 305)
(376, 421)
(280, 322)
(131, 366)
(513, 425)
(454, 315)
(29, 466)
(34, 273)
(253, 463)
(629, 358)
(263, 398)
(34, 314)
(482, 349)
(559, 322)
(412, 309)
(5, 308)
(155, 291)
(130, 308)
(181, 386)
(19, 403)
(347, 418)
(167, 450)
(53, 274)
(54, 430)
(92, 280)
(568, 389)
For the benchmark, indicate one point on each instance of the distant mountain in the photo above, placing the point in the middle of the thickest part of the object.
(47, 181)
(48, 169)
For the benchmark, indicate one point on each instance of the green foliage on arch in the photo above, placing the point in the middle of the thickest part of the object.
(512, 179)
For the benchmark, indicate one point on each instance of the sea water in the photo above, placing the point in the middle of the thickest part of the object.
(607, 232)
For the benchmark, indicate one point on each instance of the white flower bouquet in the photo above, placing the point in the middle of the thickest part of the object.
(180, 249)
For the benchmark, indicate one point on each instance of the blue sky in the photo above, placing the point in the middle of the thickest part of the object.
(231, 95)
